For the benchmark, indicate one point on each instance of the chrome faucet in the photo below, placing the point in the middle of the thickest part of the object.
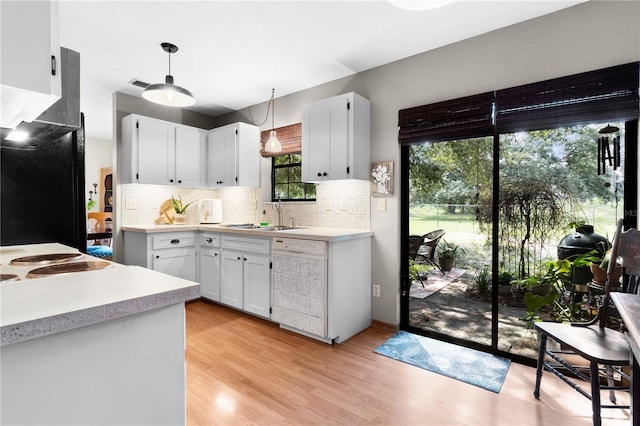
(278, 207)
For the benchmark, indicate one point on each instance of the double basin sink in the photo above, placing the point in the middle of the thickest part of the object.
(277, 228)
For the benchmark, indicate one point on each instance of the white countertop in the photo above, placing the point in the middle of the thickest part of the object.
(32, 308)
(307, 233)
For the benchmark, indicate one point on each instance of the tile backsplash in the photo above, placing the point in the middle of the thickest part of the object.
(337, 205)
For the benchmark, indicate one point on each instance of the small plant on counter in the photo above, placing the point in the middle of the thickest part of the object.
(179, 206)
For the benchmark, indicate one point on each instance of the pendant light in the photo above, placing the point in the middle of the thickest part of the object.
(168, 93)
(273, 144)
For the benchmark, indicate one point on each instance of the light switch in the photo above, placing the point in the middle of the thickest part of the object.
(382, 204)
(130, 204)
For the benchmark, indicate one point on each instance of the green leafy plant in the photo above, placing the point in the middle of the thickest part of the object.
(90, 204)
(447, 250)
(179, 206)
(483, 281)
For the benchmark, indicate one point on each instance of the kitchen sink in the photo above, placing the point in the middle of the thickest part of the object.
(279, 228)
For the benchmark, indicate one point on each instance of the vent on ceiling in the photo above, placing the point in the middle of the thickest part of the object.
(139, 83)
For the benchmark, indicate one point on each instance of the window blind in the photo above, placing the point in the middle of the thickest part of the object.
(467, 117)
(595, 96)
(290, 138)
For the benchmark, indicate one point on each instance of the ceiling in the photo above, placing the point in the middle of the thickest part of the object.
(232, 53)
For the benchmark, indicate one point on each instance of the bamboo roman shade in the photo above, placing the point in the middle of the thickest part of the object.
(290, 138)
(590, 97)
(466, 117)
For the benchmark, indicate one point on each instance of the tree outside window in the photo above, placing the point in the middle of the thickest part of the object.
(286, 179)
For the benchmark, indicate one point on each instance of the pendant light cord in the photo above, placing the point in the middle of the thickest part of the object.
(271, 105)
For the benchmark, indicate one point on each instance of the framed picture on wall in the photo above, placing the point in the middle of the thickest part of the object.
(381, 174)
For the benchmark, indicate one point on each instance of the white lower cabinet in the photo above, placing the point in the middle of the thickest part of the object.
(172, 253)
(209, 262)
(245, 279)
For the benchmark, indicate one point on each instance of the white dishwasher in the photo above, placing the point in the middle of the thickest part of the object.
(299, 286)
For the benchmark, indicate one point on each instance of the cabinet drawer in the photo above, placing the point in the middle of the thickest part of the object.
(209, 240)
(173, 240)
(247, 244)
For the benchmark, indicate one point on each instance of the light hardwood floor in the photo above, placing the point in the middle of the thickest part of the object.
(245, 370)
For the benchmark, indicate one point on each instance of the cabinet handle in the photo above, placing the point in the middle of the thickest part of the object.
(319, 174)
(179, 181)
(171, 180)
(175, 241)
(215, 254)
(157, 256)
(209, 240)
(324, 174)
(239, 258)
(54, 66)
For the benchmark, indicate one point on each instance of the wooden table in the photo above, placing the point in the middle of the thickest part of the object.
(629, 307)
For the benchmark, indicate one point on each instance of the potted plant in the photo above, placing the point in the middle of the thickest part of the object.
(180, 208)
(447, 254)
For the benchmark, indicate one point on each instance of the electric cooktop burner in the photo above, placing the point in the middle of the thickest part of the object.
(67, 268)
(45, 259)
(7, 278)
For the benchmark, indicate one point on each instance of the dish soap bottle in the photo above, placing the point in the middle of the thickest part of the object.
(263, 221)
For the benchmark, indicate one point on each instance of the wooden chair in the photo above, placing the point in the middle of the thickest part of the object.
(102, 229)
(422, 249)
(606, 350)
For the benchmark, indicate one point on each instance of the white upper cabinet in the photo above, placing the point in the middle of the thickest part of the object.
(233, 156)
(30, 79)
(161, 152)
(336, 139)
(190, 146)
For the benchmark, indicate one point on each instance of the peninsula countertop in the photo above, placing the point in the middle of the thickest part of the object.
(37, 307)
(303, 232)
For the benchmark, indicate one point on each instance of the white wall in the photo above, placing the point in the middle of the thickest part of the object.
(98, 154)
(589, 36)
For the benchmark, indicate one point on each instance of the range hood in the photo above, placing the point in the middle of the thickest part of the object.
(63, 113)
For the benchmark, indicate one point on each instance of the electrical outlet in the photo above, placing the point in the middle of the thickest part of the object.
(344, 206)
(130, 204)
(382, 204)
(376, 290)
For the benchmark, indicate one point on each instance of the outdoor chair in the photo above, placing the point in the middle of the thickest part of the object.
(606, 350)
(422, 249)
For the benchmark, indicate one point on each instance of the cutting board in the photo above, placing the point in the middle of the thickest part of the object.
(167, 213)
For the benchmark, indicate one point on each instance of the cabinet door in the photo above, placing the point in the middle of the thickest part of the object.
(257, 285)
(221, 157)
(29, 31)
(231, 278)
(179, 262)
(325, 141)
(209, 273)
(189, 150)
(156, 152)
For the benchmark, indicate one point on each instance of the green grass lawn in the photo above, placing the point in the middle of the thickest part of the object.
(462, 228)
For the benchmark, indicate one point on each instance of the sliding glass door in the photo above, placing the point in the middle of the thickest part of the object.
(507, 218)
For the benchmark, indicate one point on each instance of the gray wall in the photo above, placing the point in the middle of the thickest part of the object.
(588, 36)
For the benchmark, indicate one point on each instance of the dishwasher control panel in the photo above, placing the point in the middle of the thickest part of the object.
(300, 246)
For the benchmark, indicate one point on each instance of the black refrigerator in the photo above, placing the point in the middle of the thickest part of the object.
(42, 187)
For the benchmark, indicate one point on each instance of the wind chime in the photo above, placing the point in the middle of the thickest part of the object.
(604, 149)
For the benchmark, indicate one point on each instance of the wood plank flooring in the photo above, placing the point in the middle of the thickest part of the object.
(245, 370)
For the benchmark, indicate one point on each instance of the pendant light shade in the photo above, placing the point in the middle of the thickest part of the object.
(273, 144)
(168, 93)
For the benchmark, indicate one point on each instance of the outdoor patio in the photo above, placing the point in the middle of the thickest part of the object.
(455, 310)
